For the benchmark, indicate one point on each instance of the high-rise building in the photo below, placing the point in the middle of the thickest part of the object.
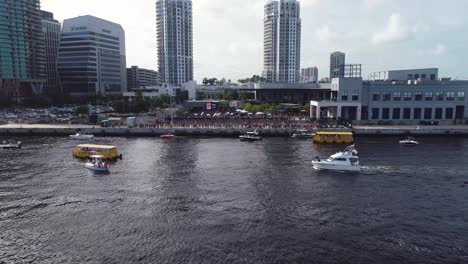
(175, 40)
(22, 67)
(309, 75)
(92, 57)
(282, 41)
(337, 62)
(52, 31)
(138, 77)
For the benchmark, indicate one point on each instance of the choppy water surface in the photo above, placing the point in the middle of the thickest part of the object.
(224, 201)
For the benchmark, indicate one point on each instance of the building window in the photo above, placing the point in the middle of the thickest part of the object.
(385, 113)
(439, 96)
(438, 113)
(344, 95)
(376, 97)
(418, 96)
(428, 96)
(450, 96)
(461, 96)
(427, 113)
(410, 76)
(407, 96)
(396, 96)
(433, 77)
(355, 95)
(416, 76)
(375, 113)
(386, 96)
(407, 113)
(448, 113)
(396, 114)
(423, 76)
(417, 113)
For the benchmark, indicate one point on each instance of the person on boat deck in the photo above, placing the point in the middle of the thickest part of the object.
(317, 158)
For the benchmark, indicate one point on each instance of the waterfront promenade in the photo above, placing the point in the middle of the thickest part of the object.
(64, 130)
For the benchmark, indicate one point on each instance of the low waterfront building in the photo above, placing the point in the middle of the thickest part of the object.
(153, 91)
(296, 93)
(139, 77)
(398, 102)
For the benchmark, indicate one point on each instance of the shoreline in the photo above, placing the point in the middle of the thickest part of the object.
(359, 131)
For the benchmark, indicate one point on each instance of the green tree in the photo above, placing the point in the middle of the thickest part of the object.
(82, 109)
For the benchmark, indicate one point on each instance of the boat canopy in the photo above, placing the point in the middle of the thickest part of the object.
(335, 133)
(91, 146)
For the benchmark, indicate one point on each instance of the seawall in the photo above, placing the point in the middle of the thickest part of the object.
(64, 130)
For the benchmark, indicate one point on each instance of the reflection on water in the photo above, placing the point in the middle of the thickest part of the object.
(225, 201)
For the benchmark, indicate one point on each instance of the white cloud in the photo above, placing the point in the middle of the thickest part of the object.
(439, 50)
(371, 4)
(394, 32)
(325, 34)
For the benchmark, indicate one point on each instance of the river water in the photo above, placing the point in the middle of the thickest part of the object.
(218, 200)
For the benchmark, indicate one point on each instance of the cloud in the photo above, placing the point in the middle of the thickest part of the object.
(394, 32)
(325, 34)
(439, 50)
(371, 4)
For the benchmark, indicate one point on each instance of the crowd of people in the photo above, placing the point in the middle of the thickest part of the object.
(277, 121)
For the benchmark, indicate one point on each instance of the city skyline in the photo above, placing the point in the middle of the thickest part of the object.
(233, 34)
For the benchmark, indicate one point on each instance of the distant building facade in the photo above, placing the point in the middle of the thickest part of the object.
(431, 74)
(282, 41)
(395, 101)
(139, 77)
(92, 57)
(175, 40)
(22, 59)
(337, 61)
(309, 75)
(52, 31)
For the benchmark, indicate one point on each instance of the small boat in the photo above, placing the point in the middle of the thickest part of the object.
(251, 136)
(409, 142)
(168, 136)
(96, 164)
(10, 144)
(79, 136)
(341, 161)
(303, 133)
(85, 151)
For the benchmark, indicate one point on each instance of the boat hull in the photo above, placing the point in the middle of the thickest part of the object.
(168, 137)
(319, 165)
(250, 139)
(95, 168)
(81, 137)
(403, 143)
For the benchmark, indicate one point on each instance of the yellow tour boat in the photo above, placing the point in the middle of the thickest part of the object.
(85, 151)
(333, 137)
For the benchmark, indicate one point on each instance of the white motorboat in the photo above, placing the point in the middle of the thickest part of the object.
(341, 161)
(303, 133)
(10, 145)
(96, 164)
(409, 142)
(79, 136)
(251, 136)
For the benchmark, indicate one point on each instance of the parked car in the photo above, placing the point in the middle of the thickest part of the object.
(428, 123)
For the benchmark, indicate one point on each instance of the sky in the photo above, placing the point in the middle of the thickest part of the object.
(228, 34)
